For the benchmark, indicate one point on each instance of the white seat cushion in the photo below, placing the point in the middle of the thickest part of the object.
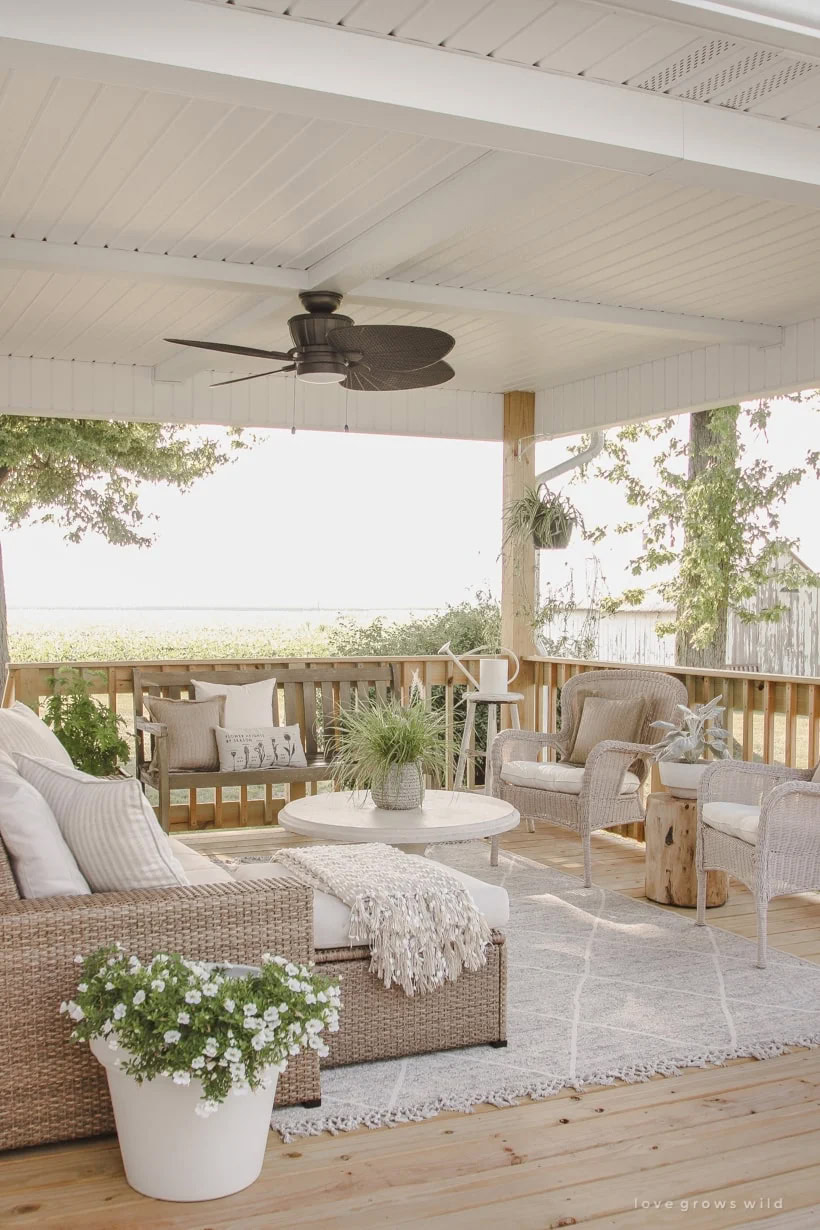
(737, 819)
(563, 778)
(198, 867)
(331, 917)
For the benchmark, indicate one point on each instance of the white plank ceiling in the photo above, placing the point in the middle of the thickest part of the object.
(590, 38)
(97, 165)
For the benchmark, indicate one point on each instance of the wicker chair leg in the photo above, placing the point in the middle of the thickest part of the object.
(762, 908)
(701, 914)
(587, 842)
(530, 824)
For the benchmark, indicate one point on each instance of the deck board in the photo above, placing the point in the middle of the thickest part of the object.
(747, 1133)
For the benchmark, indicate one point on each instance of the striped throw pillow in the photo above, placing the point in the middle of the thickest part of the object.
(21, 730)
(108, 825)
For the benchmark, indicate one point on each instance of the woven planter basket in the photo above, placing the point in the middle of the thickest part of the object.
(401, 788)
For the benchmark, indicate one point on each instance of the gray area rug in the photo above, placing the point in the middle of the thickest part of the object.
(601, 988)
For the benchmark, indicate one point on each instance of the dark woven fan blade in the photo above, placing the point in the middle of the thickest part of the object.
(393, 348)
(256, 376)
(226, 348)
(369, 380)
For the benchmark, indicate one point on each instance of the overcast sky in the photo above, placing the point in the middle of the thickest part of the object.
(322, 519)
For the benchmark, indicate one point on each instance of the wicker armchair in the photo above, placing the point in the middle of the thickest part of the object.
(603, 801)
(51, 1089)
(761, 823)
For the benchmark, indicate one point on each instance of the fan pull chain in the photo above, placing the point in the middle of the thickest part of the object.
(347, 395)
(293, 410)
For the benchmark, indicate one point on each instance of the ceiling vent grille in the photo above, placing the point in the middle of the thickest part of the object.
(675, 70)
(781, 78)
(727, 75)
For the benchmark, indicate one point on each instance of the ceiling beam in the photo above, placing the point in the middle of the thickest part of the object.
(418, 294)
(251, 58)
(148, 266)
(345, 271)
(465, 199)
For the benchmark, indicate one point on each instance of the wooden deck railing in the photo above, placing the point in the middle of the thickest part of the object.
(773, 718)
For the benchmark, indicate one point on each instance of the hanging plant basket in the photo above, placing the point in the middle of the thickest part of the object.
(548, 519)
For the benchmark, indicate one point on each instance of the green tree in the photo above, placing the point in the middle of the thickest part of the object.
(87, 476)
(711, 524)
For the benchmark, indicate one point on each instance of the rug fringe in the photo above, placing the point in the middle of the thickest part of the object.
(537, 1090)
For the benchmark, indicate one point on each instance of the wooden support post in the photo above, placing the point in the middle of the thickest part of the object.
(518, 559)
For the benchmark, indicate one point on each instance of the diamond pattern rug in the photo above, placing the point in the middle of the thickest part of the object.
(602, 987)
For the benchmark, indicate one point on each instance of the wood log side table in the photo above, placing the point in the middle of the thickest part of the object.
(671, 835)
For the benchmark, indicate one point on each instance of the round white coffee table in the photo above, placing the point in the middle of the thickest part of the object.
(446, 815)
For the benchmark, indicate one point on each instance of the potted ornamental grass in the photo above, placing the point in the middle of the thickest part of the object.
(192, 1051)
(389, 749)
(680, 753)
(543, 516)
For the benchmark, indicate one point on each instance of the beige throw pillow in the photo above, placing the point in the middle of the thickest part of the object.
(603, 719)
(580, 699)
(191, 725)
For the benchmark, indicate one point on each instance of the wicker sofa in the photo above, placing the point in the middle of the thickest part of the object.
(52, 1090)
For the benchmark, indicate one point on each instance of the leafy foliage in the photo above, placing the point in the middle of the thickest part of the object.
(85, 475)
(384, 735)
(90, 731)
(711, 520)
(687, 739)
(464, 625)
(192, 1021)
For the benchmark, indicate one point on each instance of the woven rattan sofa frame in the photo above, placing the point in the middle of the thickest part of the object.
(309, 697)
(52, 1089)
(600, 804)
(786, 858)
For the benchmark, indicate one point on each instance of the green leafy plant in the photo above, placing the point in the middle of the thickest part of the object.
(686, 740)
(194, 1021)
(544, 516)
(376, 738)
(90, 731)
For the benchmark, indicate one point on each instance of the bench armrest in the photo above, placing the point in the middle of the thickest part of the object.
(158, 729)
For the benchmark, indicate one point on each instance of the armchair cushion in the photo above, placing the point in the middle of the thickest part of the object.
(603, 719)
(564, 778)
(735, 819)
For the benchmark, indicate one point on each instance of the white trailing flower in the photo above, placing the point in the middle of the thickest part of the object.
(119, 1011)
(193, 997)
(229, 1005)
(183, 1018)
(171, 1036)
(158, 984)
(181, 1078)
(139, 997)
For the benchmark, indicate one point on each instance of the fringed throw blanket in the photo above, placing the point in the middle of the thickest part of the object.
(418, 920)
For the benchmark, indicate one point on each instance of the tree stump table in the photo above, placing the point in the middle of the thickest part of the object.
(671, 836)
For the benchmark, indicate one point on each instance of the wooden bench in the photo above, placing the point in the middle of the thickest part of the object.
(309, 697)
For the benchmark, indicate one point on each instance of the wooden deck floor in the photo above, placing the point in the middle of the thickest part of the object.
(746, 1135)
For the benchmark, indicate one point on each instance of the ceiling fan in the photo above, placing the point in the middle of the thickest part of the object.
(330, 349)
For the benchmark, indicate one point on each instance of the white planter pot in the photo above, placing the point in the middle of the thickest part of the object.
(682, 779)
(171, 1153)
(401, 789)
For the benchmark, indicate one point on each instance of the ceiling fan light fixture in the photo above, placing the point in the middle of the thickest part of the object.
(326, 367)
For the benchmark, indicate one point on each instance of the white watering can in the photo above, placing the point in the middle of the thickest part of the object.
(493, 673)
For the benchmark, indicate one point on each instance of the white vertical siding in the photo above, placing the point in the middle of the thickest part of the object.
(693, 380)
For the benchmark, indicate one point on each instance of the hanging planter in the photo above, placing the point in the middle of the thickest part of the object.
(545, 517)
